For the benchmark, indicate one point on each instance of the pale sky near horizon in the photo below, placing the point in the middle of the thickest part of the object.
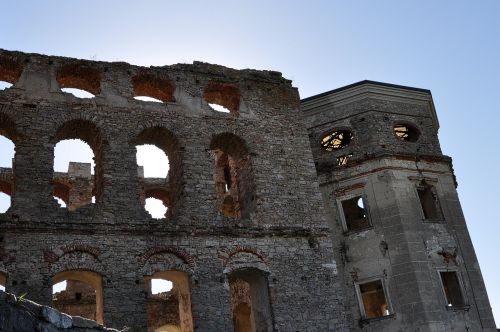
(449, 47)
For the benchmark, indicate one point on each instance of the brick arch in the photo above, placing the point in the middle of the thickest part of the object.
(243, 257)
(179, 260)
(77, 261)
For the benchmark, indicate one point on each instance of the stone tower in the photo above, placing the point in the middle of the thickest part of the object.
(399, 234)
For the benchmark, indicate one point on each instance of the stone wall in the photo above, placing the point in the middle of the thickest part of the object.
(282, 232)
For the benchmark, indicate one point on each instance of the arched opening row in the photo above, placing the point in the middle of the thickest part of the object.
(168, 299)
(83, 80)
(78, 179)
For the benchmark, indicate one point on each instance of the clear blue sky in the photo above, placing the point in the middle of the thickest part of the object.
(451, 47)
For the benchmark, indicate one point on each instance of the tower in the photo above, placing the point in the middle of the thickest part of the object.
(399, 234)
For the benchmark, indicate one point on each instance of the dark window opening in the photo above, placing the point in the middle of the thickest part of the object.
(406, 132)
(452, 289)
(233, 175)
(250, 303)
(429, 202)
(355, 214)
(374, 300)
(338, 139)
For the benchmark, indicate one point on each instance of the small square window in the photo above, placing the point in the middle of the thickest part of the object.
(452, 288)
(429, 202)
(354, 214)
(373, 299)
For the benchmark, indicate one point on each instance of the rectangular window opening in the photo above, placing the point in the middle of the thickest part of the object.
(374, 299)
(452, 289)
(429, 202)
(355, 214)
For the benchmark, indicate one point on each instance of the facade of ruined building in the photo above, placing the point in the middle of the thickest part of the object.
(403, 250)
(349, 222)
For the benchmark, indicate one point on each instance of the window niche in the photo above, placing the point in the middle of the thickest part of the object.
(452, 288)
(429, 202)
(406, 132)
(373, 299)
(250, 301)
(168, 302)
(353, 213)
(79, 293)
(233, 175)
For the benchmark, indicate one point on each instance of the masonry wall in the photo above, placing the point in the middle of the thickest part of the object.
(401, 248)
(285, 234)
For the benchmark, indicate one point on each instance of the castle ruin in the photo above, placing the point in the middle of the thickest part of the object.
(337, 212)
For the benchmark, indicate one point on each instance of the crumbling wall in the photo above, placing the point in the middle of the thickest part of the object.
(281, 230)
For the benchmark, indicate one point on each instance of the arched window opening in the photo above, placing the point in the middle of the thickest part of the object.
(233, 175)
(5, 85)
(80, 76)
(168, 302)
(3, 281)
(159, 170)
(223, 97)
(78, 293)
(10, 71)
(7, 148)
(77, 160)
(151, 88)
(337, 140)
(250, 301)
(406, 132)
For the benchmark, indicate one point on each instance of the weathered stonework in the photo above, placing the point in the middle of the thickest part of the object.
(402, 245)
(278, 233)
(257, 236)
